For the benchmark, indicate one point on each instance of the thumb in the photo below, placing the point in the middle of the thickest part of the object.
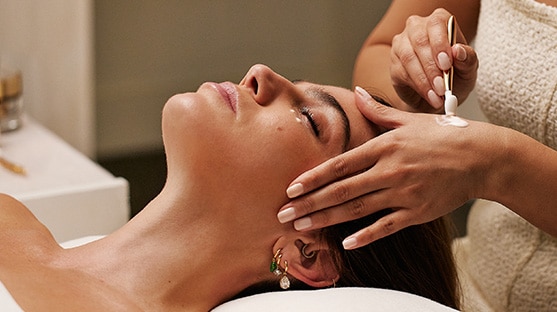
(465, 61)
(381, 115)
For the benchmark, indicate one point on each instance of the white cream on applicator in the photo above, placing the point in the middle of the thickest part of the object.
(450, 118)
(451, 102)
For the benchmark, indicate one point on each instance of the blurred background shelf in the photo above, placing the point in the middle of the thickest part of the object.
(72, 195)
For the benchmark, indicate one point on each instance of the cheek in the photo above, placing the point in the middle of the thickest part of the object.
(269, 166)
(283, 150)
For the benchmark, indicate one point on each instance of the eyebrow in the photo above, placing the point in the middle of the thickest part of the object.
(329, 100)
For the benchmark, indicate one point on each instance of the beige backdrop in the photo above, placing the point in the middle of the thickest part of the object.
(149, 50)
(97, 73)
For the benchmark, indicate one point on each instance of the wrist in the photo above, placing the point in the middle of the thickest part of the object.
(500, 170)
(486, 157)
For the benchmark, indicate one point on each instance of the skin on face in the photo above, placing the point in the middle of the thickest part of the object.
(246, 142)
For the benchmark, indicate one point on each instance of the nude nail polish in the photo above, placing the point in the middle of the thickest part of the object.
(439, 85)
(444, 61)
(349, 243)
(434, 99)
(362, 93)
(295, 190)
(460, 53)
(302, 224)
(286, 215)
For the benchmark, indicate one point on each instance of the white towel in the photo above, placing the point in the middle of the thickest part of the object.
(353, 299)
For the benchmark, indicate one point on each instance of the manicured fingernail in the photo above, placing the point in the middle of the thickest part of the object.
(295, 190)
(286, 215)
(439, 85)
(434, 99)
(302, 224)
(461, 54)
(349, 243)
(444, 61)
(362, 93)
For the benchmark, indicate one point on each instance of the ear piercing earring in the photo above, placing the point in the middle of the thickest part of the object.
(275, 269)
(307, 256)
(284, 281)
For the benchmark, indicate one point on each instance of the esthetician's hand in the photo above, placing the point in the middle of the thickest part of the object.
(419, 169)
(420, 54)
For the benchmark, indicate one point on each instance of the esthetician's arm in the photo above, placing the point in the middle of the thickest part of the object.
(401, 61)
(409, 76)
(422, 170)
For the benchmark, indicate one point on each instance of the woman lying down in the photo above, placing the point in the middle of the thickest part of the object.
(212, 235)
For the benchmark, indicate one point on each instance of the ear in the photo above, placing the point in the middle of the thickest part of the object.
(318, 271)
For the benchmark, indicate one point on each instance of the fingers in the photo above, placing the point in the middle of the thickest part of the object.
(412, 66)
(381, 115)
(439, 38)
(350, 210)
(337, 202)
(341, 166)
(466, 70)
(419, 55)
(465, 61)
(387, 225)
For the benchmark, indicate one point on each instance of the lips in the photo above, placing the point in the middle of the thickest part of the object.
(228, 92)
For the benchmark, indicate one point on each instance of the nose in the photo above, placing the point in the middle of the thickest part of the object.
(264, 84)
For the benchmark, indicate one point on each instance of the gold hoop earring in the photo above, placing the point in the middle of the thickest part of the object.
(307, 256)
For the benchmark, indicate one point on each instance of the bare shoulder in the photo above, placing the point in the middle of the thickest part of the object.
(30, 270)
(14, 214)
(8, 202)
(67, 290)
(20, 231)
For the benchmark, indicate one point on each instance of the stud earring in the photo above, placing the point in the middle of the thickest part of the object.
(275, 269)
(307, 256)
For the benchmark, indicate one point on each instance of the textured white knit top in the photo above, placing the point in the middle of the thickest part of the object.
(506, 263)
(517, 77)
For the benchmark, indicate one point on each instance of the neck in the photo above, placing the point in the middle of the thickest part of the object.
(177, 257)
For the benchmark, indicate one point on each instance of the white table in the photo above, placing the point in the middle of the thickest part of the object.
(72, 195)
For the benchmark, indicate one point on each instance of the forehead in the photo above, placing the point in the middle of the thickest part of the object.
(360, 128)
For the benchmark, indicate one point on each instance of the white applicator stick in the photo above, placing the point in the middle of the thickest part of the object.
(451, 102)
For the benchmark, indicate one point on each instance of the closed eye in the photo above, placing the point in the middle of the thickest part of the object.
(326, 99)
(306, 111)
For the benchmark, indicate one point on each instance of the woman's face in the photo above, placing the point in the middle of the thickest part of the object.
(245, 143)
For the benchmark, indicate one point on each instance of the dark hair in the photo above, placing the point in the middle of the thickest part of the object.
(417, 260)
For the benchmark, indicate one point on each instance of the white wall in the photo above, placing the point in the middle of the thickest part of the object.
(51, 42)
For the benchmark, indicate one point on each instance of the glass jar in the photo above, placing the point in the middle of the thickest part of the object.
(11, 103)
